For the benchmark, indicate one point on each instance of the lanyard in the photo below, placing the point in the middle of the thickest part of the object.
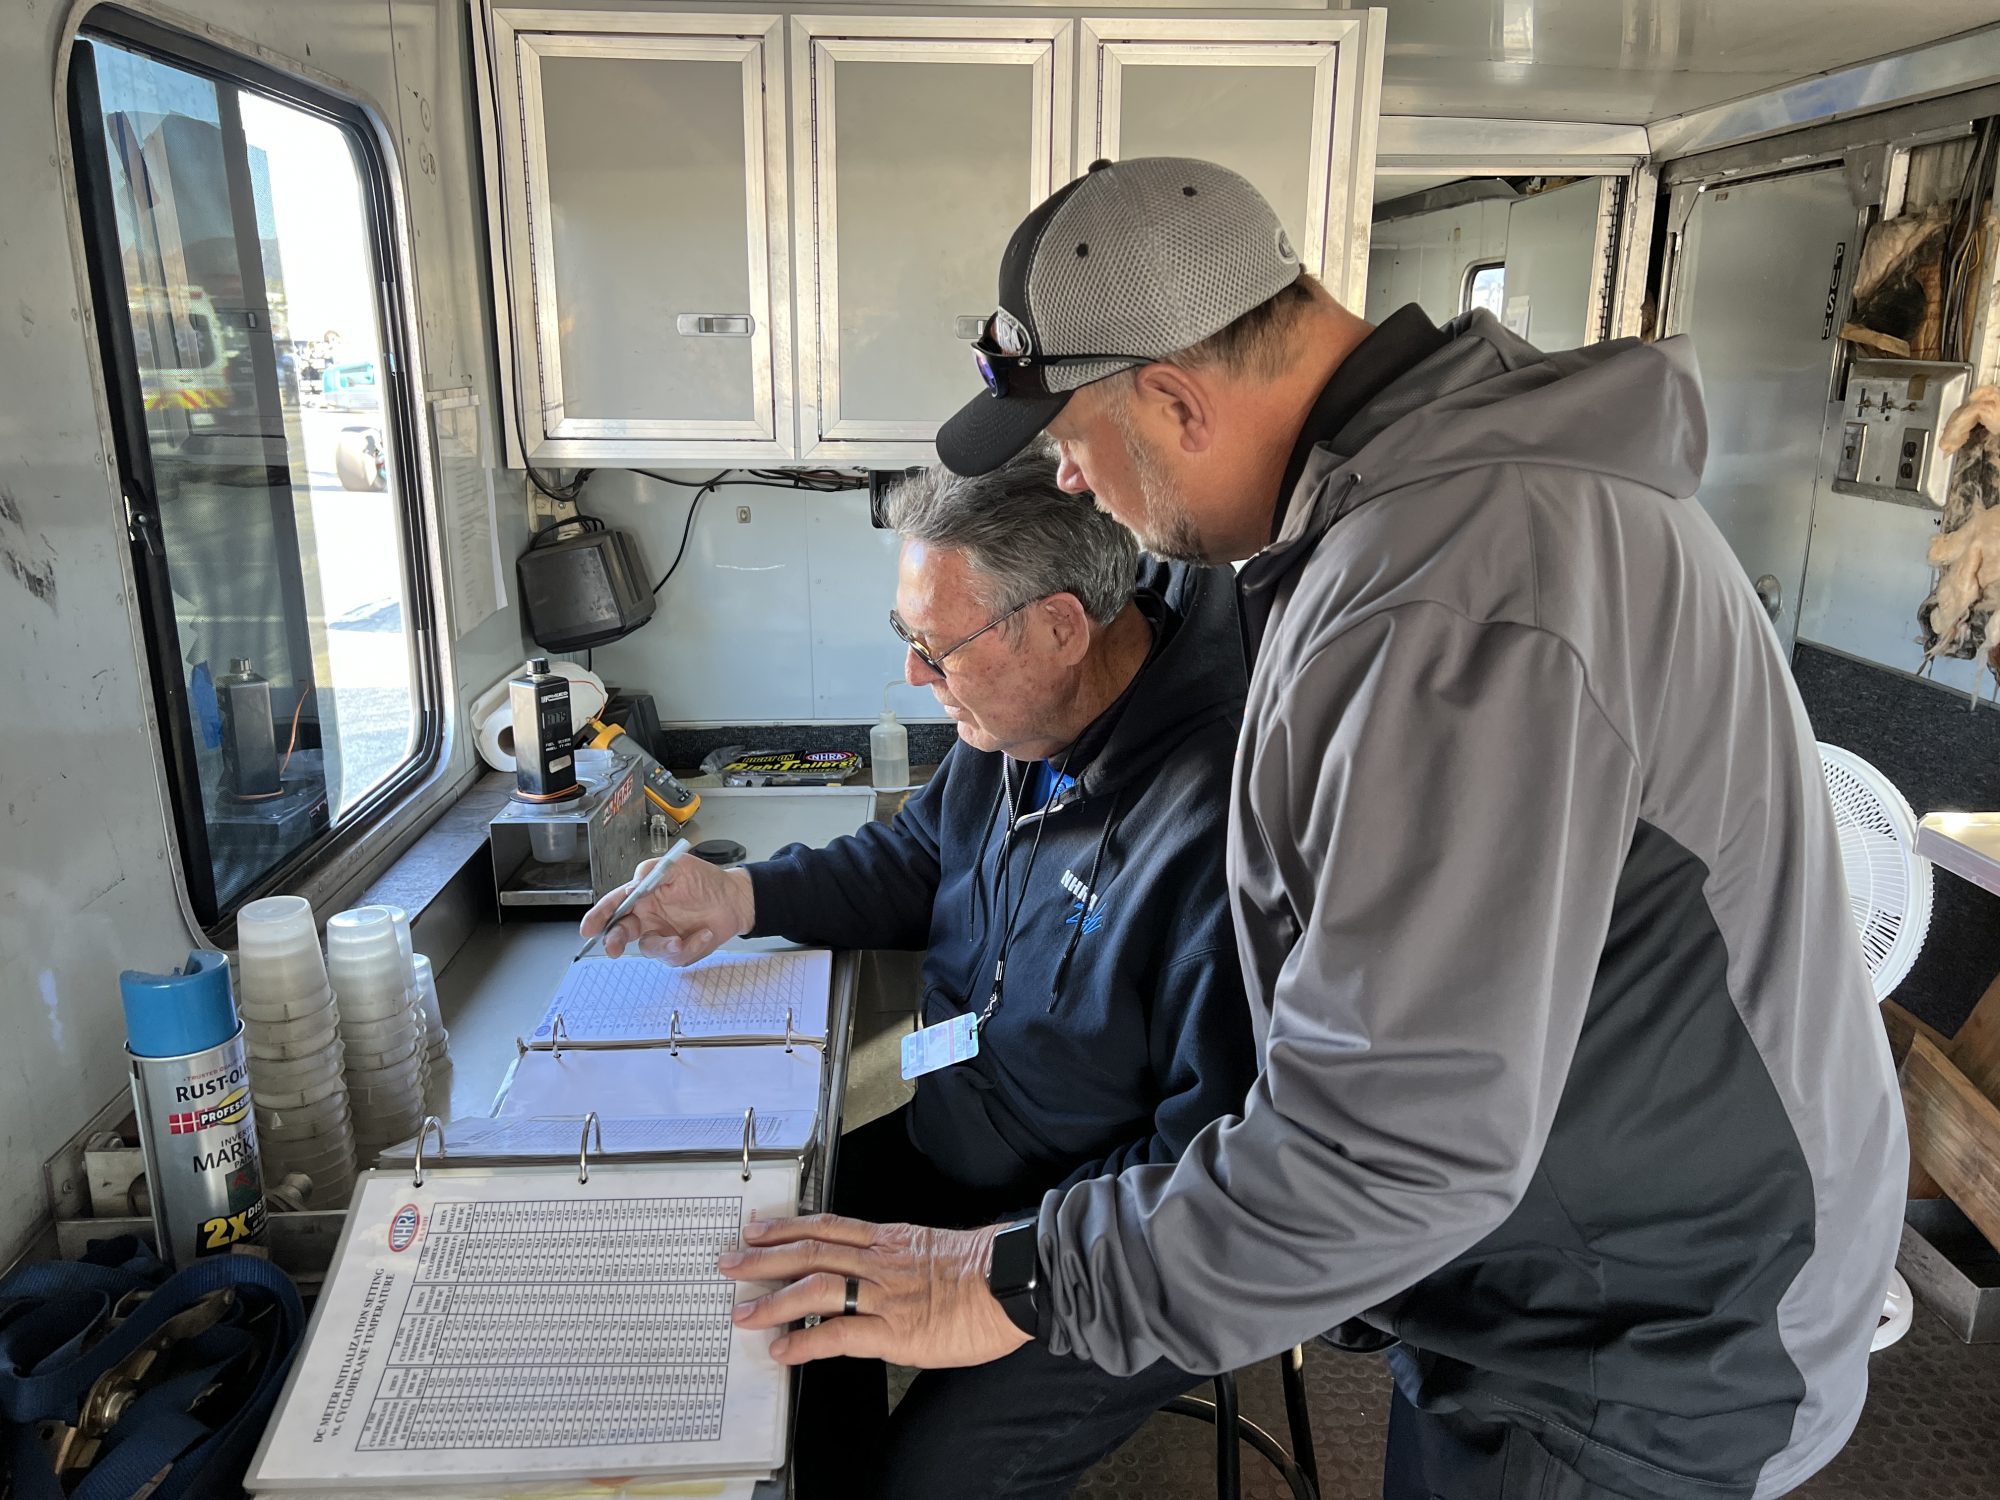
(1002, 881)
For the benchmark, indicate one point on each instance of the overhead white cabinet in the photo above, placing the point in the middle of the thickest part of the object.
(646, 217)
(667, 292)
(1290, 104)
(921, 143)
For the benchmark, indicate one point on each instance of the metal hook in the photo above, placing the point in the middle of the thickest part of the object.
(431, 1122)
(749, 1138)
(558, 1034)
(590, 1122)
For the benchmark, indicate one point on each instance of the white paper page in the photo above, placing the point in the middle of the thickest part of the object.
(556, 1489)
(471, 518)
(726, 994)
(561, 1136)
(650, 1081)
(511, 1323)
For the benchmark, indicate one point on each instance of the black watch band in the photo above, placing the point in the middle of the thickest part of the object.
(1015, 1273)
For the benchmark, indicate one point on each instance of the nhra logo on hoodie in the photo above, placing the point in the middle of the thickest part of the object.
(1084, 903)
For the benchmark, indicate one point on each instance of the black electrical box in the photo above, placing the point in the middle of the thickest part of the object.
(584, 590)
(880, 483)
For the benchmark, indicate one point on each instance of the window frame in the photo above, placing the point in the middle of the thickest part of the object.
(132, 454)
(1471, 275)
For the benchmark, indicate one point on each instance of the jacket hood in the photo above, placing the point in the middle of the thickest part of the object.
(1625, 409)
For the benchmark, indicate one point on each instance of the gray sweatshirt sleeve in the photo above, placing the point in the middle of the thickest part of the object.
(1448, 809)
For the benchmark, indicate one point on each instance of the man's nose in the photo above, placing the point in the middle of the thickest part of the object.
(917, 672)
(1069, 473)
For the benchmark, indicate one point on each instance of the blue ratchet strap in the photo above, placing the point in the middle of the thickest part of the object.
(48, 1313)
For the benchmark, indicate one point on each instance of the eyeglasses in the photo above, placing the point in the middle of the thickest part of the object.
(935, 660)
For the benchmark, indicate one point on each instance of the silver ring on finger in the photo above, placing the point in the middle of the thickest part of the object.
(852, 1303)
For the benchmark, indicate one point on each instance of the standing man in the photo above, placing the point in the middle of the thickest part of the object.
(1572, 1082)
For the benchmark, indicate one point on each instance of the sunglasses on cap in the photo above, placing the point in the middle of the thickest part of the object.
(1008, 373)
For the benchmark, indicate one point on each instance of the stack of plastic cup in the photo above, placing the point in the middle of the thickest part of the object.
(291, 1034)
(412, 993)
(433, 1013)
(385, 1058)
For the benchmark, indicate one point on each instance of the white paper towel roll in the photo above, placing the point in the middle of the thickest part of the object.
(495, 738)
(495, 732)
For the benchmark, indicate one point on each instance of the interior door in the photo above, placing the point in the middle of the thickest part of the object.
(1758, 276)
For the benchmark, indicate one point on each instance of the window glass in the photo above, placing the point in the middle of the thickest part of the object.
(1486, 286)
(272, 533)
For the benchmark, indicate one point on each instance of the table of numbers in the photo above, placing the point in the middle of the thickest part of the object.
(539, 1323)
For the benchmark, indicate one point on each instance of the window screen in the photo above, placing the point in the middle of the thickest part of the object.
(237, 230)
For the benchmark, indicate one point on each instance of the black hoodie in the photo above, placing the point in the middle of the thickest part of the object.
(1123, 1028)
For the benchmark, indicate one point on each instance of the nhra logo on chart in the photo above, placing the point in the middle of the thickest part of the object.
(403, 1228)
(209, 1116)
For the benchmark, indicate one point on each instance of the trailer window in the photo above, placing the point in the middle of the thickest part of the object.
(1486, 286)
(237, 228)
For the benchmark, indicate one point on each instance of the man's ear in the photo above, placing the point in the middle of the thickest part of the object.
(1176, 406)
(1068, 624)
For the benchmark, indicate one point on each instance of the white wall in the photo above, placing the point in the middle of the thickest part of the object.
(1549, 238)
(86, 887)
(781, 618)
(1423, 259)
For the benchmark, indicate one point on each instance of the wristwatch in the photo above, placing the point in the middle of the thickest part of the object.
(1015, 1272)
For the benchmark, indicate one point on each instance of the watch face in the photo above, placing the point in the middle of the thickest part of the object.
(1014, 1253)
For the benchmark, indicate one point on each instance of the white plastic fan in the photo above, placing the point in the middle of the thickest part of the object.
(1888, 883)
(1889, 888)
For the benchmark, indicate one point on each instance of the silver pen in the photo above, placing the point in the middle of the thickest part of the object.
(644, 886)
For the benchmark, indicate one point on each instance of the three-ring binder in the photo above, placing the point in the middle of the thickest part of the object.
(431, 1122)
(559, 1040)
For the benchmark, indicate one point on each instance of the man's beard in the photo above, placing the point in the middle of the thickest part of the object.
(1164, 528)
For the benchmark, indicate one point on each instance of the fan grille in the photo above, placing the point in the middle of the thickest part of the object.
(1888, 885)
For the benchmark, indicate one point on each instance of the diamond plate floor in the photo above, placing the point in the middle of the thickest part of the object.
(1931, 1431)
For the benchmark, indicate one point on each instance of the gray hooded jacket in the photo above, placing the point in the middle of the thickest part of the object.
(1572, 1079)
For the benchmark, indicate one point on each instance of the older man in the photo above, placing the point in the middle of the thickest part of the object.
(1571, 1077)
(1063, 872)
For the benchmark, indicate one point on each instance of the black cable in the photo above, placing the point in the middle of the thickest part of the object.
(813, 481)
(687, 530)
(565, 493)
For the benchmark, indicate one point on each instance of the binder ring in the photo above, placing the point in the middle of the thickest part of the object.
(788, 1028)
(431, 1122)
(590, 1122)
(558, 1034)
(674, 1035)
(749, 1138)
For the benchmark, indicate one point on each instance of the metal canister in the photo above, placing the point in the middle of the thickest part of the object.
(191, 1087)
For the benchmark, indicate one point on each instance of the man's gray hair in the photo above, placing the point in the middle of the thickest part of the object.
(1016, 528)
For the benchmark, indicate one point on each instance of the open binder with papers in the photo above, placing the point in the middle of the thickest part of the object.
(552, 1320)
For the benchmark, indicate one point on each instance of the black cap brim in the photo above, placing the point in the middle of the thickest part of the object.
(988, 430)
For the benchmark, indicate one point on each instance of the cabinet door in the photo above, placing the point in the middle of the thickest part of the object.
(926, 141)
(1290, 104)
(643, 173)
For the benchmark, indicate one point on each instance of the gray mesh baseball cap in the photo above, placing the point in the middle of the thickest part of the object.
(1132, 262)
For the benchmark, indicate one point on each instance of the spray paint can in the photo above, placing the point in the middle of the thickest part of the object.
(191, 1087)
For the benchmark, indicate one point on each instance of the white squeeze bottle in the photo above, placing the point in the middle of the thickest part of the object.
(889, 750)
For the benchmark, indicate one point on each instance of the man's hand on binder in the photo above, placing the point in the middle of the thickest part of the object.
(922, 1298)
(694, 910)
